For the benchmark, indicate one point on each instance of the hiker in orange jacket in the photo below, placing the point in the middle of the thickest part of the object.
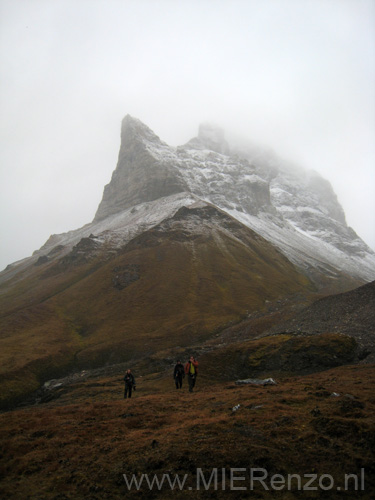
(191, 370)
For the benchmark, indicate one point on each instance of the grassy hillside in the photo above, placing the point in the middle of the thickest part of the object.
(177, 284)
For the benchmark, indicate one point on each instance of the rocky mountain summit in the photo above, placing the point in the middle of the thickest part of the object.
(294, 209)
(141, 174)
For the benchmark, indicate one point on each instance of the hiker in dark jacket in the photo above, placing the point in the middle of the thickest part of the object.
(178, 374)
(129, 384)
(191, 370)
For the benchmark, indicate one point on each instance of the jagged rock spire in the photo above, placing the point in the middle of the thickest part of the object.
(139, 176)
(132, 129)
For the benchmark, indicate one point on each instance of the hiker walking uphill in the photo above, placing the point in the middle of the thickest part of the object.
(178, 374)
(129, 384)
(191, 370)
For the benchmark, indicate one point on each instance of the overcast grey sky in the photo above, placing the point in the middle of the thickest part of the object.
(295, 75)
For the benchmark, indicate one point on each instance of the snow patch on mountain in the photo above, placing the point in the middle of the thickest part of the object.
(115, 231)
(118, 229)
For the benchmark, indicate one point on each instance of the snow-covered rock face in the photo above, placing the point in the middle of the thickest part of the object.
(297, 211)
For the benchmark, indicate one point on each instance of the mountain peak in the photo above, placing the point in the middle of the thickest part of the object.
(133, 129)
(296, 210)
(139, 176)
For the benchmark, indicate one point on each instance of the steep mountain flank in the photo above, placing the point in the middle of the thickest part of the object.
(174, 284)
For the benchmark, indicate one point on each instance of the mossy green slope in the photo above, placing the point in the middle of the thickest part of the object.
(175, 284)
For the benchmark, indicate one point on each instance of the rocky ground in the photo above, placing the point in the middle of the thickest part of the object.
(351, 313)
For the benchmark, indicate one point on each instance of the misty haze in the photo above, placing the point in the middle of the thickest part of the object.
(187, 267)
(297, 77)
